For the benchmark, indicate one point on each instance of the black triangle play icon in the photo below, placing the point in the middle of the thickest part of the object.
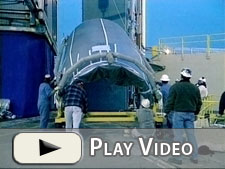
(46, 147)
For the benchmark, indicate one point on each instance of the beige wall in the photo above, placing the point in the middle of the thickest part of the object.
(212, 67)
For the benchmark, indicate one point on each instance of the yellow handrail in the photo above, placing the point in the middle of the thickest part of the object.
(207, 110)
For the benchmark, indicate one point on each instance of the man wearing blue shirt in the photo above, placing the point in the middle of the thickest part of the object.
(44, 97)
(165, 87)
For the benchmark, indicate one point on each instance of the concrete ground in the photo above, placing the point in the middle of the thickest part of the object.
(205, 161)
(33, 122)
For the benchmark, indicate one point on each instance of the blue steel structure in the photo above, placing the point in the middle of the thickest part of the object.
(25, 59)
(27, 53)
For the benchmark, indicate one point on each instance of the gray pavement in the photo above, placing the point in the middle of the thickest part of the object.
(134, 161)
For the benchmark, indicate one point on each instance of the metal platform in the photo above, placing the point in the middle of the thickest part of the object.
(106, 117)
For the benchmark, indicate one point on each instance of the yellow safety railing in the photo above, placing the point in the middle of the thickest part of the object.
(159, 116)
(209, 105)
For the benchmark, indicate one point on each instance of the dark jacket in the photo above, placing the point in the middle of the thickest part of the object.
(184, 97)
(222, 104)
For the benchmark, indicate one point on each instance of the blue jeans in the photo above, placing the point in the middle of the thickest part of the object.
(185, 120)
(170, 120)
(44, 110)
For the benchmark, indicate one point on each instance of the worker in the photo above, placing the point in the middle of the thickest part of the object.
(202, 87)
(165, 87)
(44, 101)
(145, 119)
(145, 115)
(222, 104)
(177, 80)
(75, 102)
(185, 101)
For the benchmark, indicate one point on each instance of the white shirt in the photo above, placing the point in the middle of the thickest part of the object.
(203, 91)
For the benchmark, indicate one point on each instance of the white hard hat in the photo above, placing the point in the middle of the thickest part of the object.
(145, 103)
(165, 78)
(47, 76)
(203, 79)
(186, 72)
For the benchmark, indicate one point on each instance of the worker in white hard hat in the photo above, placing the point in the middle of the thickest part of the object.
(44, 100)
(185, 102)
(145, 115)
(202, 87)
(165, 87)
(145, 119)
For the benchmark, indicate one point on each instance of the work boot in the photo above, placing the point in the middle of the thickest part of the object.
(195, 161)
(175, 161)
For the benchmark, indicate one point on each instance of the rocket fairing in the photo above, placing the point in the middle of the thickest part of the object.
(101, 49)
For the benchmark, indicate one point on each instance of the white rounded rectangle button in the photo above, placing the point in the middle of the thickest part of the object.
(47, 148)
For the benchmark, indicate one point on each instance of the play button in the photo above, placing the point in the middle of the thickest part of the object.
(47, 148)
